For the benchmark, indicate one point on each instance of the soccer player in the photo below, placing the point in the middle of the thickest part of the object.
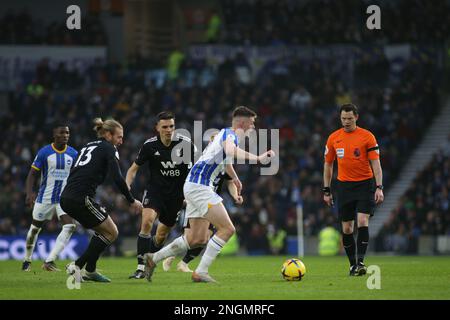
(163, 197)
(191, 254)
(358, 159)
(53, 162)
(96, 160)
(203, 205)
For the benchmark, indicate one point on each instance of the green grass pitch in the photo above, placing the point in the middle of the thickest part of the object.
(241, 278)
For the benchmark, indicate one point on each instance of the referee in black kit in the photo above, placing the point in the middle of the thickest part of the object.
(95, 160)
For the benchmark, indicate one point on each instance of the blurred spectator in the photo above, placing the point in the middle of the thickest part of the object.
(275, 22)
(23, 28)
(175, 60)
(277, 240)
(214, 25)
(422, 211)
(300, 98)
(329, 239)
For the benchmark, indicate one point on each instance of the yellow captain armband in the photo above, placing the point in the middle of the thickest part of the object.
(36, 168)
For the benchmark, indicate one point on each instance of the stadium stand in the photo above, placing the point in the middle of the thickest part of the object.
(423, 210)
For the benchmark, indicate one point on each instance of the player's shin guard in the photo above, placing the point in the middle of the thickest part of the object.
(349, 245)
(32, 236)
(61, 241)
(97, 245)
(362, 242)
(192, 253)
(177, 247)
(215, 244)
(143, 246)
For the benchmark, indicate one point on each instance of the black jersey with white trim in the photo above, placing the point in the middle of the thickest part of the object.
(167, 174)
(95, 160)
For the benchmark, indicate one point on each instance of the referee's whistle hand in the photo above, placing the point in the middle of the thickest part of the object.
(328, 200)
(379, 196)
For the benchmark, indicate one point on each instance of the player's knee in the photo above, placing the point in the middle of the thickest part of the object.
(347, 229)
(229, 231)
(113, 234)
(160, 238)
(199, 241)
(147, 221)
(363, 221)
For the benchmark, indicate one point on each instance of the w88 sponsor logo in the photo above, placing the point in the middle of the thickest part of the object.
(172, 172)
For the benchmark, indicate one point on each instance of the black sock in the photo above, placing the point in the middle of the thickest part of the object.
(96, 246)
(362, 242)
(143, 246)
(154, 246)
(191, 254)
(349, 245)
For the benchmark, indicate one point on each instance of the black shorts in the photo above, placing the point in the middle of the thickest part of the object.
(166, 208)
(88, 213)
(355, 196)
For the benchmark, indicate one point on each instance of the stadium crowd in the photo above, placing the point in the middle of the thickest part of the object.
(280, 22)
(24, 29)
(423, 210)
(301, 100)
(270, 23)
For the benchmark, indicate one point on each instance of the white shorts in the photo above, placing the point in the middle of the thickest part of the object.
(199, 198)
(46, 211)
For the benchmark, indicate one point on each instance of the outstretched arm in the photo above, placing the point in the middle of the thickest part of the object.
(234, 151)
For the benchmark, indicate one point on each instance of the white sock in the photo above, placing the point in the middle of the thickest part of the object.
(61, 241)
(179, 246)
(215, 244)
(32, 236)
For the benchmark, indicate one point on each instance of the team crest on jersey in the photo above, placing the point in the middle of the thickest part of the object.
(69, 162)
(357, 152)
(340, 152)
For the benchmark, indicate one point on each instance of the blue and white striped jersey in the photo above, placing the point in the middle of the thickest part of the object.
(213, 160)
(54, 166)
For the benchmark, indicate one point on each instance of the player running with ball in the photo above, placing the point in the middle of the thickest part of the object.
(203, 205)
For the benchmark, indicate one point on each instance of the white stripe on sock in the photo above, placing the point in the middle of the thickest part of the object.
(215, 244)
